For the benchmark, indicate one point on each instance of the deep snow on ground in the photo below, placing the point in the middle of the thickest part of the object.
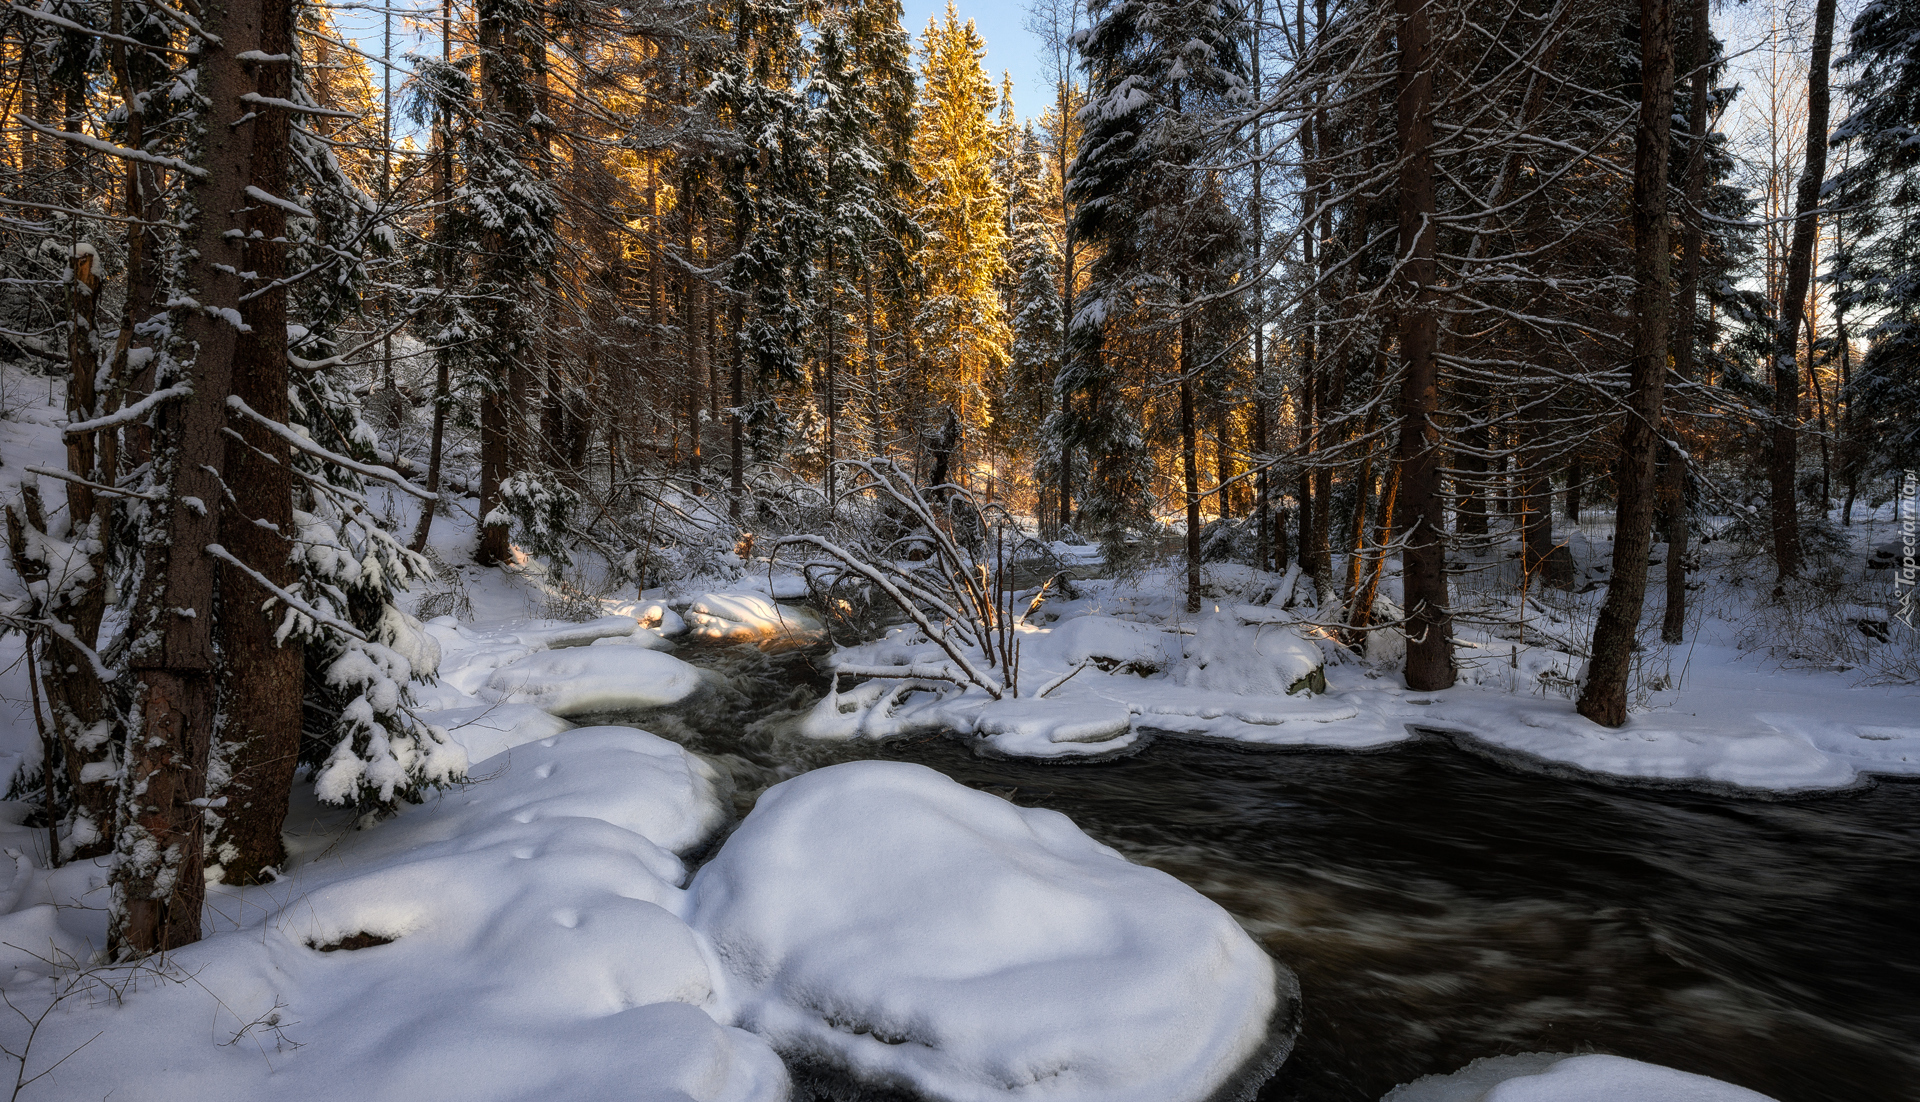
(1237, 671)
(535, 914)
(529, 935)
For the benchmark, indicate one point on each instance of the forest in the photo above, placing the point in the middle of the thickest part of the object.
(1274, 368)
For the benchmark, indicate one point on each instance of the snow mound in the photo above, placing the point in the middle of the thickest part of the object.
(1038, 727)
(882, 919)
(653, 616)
(1659, 747)
(1545, 1077)
(593, 679)
(489, 729)
(520, 937)
(749, 618)
(1106, 642)
(1227, 656)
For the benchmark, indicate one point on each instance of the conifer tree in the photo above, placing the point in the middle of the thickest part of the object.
(1162, 75)
(961, 326)
(1877, 271)
(508, 211)
(770, 179)
(860, 77)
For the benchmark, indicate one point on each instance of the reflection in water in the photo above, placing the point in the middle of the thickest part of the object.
(1438, 908)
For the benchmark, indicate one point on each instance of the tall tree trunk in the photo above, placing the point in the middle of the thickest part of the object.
(1686, 322)
(1357, 616)
(1783, 464)
(507, 109)
(1423, 560)
(1576, 486)
(76, 697)
(1470, 461)
(1190, 463)
(1067, 289)
(1604, 697)
(261, 677)
(158, 884)
(1540, 557)
(695, 341)
(736, 418)
(443, 281)
(832, 369)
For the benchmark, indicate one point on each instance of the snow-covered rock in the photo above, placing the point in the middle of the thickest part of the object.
(654, 616)
(1107, 643)
(580, 680)
(749, 618)
(1227, 655)
(882, 919)
(1033, 728)
(1547, 1077)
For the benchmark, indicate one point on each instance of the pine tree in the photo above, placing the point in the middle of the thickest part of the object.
(1036, 315)
(961, 327)
(1877, 270)
(508, 209)
(1163, 73)
(770, 180)
(860, 76)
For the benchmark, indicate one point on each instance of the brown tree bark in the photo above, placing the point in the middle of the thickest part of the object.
(1576, 487)
(158, 885)
(261, 677)
(1673, 498)
(443, 269)
(1604, 697)
(831, 368)
(1783, 464)
(1470, 460)
(1423, 560)
(736, 417)
(1190, 463)
(83, 723)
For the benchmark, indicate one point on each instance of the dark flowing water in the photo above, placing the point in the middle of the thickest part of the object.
(1438, 907)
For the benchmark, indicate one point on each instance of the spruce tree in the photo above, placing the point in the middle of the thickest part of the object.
(961, 327)
(1877, 269)
(1163, 74)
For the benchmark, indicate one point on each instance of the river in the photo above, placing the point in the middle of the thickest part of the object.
(1439, 907)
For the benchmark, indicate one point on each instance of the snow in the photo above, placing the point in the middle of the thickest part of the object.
(533, 914)
(489, 729)
(881, 918)
(580, 680)
(1544, 1077)
(1252, 669)
(749, 617)
(528, 935)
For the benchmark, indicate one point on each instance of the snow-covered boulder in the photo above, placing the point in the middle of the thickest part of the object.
(1550, 1077)
(580, 680)
(654, 616)
(1106, 643)
(1228, 655)
(1044, 728)
(882, 920)
(750, 618)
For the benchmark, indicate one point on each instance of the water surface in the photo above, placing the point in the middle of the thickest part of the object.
(1439, 907)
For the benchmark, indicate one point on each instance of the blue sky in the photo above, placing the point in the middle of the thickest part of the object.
(1002, 23)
